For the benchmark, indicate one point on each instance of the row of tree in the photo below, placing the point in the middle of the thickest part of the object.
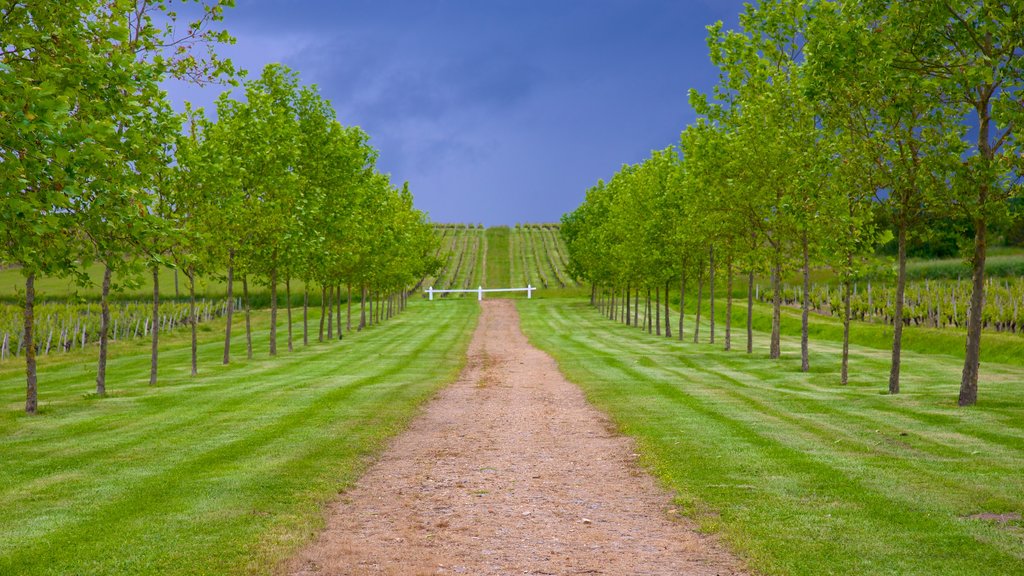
(96, 167)
(835, 125)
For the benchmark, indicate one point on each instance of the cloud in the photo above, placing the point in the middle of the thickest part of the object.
(496, 111)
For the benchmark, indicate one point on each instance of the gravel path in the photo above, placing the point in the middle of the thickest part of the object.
(509, 471)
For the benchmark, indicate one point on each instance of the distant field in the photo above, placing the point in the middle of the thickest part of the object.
(799, 474)
(12, 285)
(225, 473)
(501, 257)
(999, 263)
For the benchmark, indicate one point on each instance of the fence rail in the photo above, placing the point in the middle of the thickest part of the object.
(480, 291)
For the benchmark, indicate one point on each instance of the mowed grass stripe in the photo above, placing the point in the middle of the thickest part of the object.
(801, 475)
(221, 474)
(228, 410)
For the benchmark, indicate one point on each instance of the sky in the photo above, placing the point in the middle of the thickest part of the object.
(495, 111)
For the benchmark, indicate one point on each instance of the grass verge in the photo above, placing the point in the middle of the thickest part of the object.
(800, 475)
(226, 473)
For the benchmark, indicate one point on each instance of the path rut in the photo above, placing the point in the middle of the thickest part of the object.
(509, 471)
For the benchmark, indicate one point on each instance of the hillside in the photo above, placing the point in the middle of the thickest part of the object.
(500, 257)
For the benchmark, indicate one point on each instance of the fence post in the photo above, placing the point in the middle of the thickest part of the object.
(529, 291)
(430, 293)
(479, 293)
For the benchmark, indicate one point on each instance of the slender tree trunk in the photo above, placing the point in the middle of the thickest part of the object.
(288, 304)
(728, 302)
(636, 307)
(348, 307)
(682, 302)
(248, 316)
(31, 390)
(330, 313)
(897, 325)
(776, 348)
(593, 292)
(273, 311)
(972, 356)
(711, 290)
(700, 300)
(750, 312)
(101, 373)
(231, 306)
(628, 311)
(176, 293)
(805, 361)
(155, 350)
(844, 370)
(192, 320)
(305, 314)
(323, 310)
(647, 311)
(362, 309)
(975, 319)
(657, 310)
(668, 321)
(337, 291)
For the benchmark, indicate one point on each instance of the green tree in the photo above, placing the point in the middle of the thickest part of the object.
(971, 54)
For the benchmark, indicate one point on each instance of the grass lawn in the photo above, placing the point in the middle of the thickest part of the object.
(798, 474)
(499, 266)
(225, 473)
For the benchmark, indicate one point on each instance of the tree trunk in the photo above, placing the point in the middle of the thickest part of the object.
(330, 313)
(805, 362)
(711, 290)
(348, 307)
(337, 290)
(248, 316)
(728, 302)
(593, 292)
(31, 390)
(776, 348)
(700, 299)
(682, 302)
(657, 310)
(636, 307)
(897, 332)
(628, 311)
(231, 306)
(192, 320)
(972, 356)
(273, 311)
(305, 314)
(288, 304)
(362, 308)
(101, 372)
(668, 320)
(176, 293)
(647, 311)
(323, 310)
(844, 370)
(750, 312)
(156, 326)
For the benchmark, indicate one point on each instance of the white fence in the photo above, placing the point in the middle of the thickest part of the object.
(480, 291)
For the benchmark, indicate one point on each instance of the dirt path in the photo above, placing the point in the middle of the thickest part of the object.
(508, 471)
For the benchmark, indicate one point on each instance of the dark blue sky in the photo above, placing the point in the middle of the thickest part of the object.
(495, 111)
